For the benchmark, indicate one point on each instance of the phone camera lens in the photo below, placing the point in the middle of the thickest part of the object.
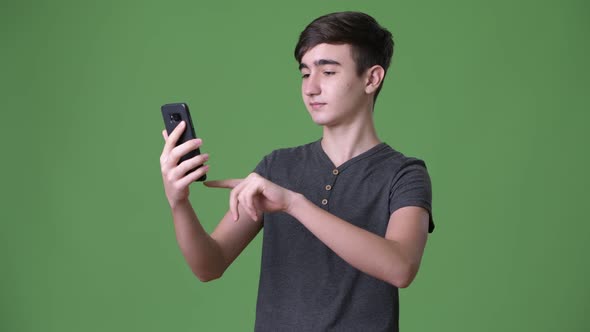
(175, 117)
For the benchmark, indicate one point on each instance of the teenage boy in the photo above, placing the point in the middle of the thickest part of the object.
(345, 218)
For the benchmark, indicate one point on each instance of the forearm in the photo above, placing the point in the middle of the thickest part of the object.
(200, 251)
(368, 252)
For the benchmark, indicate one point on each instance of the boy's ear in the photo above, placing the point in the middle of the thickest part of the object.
(375, 77)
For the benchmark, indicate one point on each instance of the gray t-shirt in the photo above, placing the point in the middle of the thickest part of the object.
(304, 285)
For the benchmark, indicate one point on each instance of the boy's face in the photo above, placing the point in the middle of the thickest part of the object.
(332, 91)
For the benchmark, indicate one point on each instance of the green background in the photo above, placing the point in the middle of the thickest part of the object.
(493, 96)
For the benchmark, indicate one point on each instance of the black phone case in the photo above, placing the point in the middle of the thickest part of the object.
(173, 114)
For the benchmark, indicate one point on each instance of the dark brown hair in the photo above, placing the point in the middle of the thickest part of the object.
(371, 44)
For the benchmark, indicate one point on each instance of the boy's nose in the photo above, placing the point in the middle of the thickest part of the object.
(311, 86)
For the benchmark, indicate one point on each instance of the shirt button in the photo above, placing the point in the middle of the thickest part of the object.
(324, 201)
(328, 187)
(335, 172)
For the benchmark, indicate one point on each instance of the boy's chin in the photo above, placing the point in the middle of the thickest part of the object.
(324, 122)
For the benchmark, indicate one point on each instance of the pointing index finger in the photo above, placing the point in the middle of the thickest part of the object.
(227, 183)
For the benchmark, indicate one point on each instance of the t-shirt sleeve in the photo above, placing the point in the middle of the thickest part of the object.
(263, 168)
(412, 187)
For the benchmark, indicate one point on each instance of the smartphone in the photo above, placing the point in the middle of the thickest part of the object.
(173, 114)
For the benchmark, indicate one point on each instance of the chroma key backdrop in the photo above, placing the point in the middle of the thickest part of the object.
(494, 96)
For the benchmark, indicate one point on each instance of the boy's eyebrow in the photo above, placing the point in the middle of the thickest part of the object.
(320, 62)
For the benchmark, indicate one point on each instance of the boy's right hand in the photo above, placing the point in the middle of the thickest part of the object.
(176, 181)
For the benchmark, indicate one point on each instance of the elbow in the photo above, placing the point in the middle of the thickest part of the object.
(208, 270)
(207, 276)
(403, 277)
(402, 282)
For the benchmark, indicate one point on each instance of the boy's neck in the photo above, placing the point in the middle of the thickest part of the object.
(347, 141)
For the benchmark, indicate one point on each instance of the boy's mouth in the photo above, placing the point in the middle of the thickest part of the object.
(316, 105)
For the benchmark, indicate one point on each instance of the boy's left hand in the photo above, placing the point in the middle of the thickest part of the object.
(256, 194)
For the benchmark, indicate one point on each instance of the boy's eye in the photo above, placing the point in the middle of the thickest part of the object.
(305, 76)
(329, 73)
